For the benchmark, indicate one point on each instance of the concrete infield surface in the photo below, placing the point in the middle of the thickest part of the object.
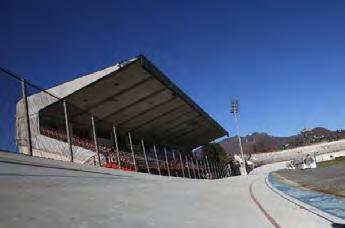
(36, 192)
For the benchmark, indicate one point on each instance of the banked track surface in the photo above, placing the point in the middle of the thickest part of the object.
(36, 192)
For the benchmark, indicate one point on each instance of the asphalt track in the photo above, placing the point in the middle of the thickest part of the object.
(37, 193)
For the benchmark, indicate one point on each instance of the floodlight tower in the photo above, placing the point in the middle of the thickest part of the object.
(234, 112)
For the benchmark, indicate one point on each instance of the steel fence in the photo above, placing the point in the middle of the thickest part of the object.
(36, 122)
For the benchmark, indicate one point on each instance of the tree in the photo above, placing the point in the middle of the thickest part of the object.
(215, 153)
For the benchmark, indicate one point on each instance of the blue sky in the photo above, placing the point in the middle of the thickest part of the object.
(283, 60)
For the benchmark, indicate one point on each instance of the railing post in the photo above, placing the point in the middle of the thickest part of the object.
(166, 160)
(26, 116)
(182, 166)
(157, 162)
(95, 139)
(188, 167)
(144, 151)
(194, 174)
(68, 131)
(175, 163)
(116, 146)
(132, 150)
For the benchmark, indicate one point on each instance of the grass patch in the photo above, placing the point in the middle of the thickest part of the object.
(340, 161)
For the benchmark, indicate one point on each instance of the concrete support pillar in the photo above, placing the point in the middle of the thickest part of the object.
(188, 167)
(157, 162)
(116, 146)
(166, 160)
(144, 151)
(27, 117)
(175, 163)
(182, 166)
(194, 174)
(95, 139)
(132, 150)
(68, 130)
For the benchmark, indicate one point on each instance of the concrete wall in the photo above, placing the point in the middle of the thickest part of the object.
(322, 151)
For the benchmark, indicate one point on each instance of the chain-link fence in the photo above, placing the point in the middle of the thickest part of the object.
(38, 123)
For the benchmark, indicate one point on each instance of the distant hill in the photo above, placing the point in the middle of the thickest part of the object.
(263, 142)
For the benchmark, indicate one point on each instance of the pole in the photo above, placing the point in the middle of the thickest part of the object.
(208, 166)
(95, 139)
(182, 166)
(68, 128)
(215, 169)
(188, 167)
(132, 150)
(175, 163)
(26, 116)
(116, 147)
(166, 160)
(144, 151)
(197, 167)
(194, 175)
(238, 134)
(202, 169)
(157, 162)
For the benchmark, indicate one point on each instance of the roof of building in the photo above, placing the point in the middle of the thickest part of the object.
(138, 98)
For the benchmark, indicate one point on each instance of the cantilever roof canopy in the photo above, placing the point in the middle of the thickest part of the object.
(139, 98)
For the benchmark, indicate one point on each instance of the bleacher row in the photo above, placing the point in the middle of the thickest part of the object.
(109, 159)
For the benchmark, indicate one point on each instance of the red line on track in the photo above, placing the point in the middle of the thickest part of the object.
(268, 216)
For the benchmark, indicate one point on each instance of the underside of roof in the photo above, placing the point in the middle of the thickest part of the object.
(140, 99)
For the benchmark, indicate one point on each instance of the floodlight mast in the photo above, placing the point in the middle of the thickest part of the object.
(234, 112)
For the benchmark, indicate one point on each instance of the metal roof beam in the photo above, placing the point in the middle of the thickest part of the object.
(155, 93)
(121, 92)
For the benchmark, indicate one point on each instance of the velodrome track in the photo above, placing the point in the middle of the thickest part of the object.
(37, 192)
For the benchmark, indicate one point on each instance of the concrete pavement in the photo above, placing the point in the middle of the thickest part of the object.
(36, 192)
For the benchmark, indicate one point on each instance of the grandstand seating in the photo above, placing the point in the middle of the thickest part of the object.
(109, 158)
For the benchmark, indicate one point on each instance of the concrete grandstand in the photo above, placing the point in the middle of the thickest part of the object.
(134, 97)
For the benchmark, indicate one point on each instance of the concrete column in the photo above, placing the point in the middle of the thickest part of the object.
(144, 151)
(188, 167)
(175, 163)
(116, 146)
(95, 139)
(197, 167)
(132, 150)
(194, 174)
(26, 116)
(157, 162)
(166, 160)
(182, 166)
(68, 133)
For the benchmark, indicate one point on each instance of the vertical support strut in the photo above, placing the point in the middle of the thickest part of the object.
(166, 160)
(182, 166)
(95, 139)
(26, 116)
(157, 162)
(194, 174)
(202, 169)
(197, 167)
(132, 150)
(68, 130)
(208, 167)
(175, 164)
(116, 146)
(144, 151)
(188, 167)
